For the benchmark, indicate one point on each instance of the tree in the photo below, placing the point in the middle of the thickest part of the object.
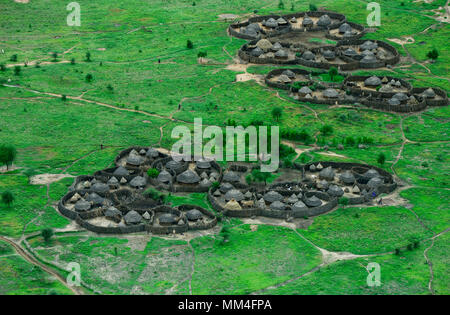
(281, 4)
(88, 56)
(8, 154)
(2, 67)
(152, 172)
(276, 113)
(260, 177)
(55, 56)
(312, 7)
(72, 61)
(89, 77)
(333, 72)
(47, 234)
(433, 54)
(381, 158)
(343, 201)
(189, 44)
(13, 58)
(326, 130)
(8, 198)
(17, 70)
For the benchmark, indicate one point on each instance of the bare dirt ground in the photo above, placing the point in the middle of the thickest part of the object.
(44, 179)
(403, 41)
(4, 169)
(21, 1)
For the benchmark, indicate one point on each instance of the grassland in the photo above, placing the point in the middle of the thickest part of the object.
(145, 82)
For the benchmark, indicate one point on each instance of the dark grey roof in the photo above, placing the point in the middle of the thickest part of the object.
(174, 165)
(203, 164)
(344, 28)
(374, 182)
(369, 45)
(305, 90)
(281, 54)
(429, 93)
(152, 153)
(100, 187)
(371, 173)
(224, 187)
(347, 178)
(113, 181)
(292, 199)
(307, 21)
(254, 27)
(372, 81)
(234, 194)
(121, 171)
(299, 206)
(194, 215)
(369, 59)
(112, 212)
(134, 159)
(82, 205)
(335, 191)
(231, 176)
(205, 183)
(308, 55)
(323, 184)
(386, 89)
(188, 177)
(324, 20)
(393, 101)
(277, 205)
(132, 217)
(281, 21)
(138, 181)
(401, 97)
(284, 79)
(327, 173)
(95, 199)
(350, 52)
(328, 54)
(271, 23)
(257, 52)
(289, 74)
(167, 218)
(313, 201)
(272, 196)
(330, 93)
(277, 46)
(367, 53)
(164, 177)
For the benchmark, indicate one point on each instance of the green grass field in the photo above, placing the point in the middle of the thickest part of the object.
(145, 81)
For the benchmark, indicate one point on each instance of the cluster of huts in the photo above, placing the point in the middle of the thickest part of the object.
(381, 92)
(127, 199)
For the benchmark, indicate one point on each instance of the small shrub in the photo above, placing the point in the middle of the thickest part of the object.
(13, 58)
(152, 172)
(89, 78)
(17, 70)
(189, 44)
(47, 234)
(8, 198)
(312, 7)
(433, 54)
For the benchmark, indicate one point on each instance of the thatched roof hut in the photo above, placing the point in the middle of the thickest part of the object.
(188, 177)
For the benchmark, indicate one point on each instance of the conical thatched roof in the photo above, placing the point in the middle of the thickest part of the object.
(292, 199)
(203, 164)
(113, 181)
(271, 23)
(272, 196)
(281, 21)
(328, 54)
(194, 215)
(369, 59)
(100, 187)
(429, 93)
(335, 191)
(323, 184)
(371, 173)
(344, 28)
(367, 53)
(308, 55)
(188, 177)
(264, 44)
(121, 171)
(146, 216)
(112, 212)
(299, 206)
(356, 190)
(401, 97)
(257, 52)
(167, 219)
(277, 205)
(393, 101)
(82, 205)
(312, 167)
(307, 21)
(313, 201)
(231, 176)
(95, 199)
(350, 52)
(132, 217)
(205, 183)
(164, 177)
(347, 178)
(260, 204)
(233, 205)
(138, 182)
(372, 81)
(152, 153)
(374, 182)
(281, 54)
(386, 89)
(330, 93)
(224, 187)
(234, 194)
(174, 165)
(289, 74)
(327, 173)
(348, 34)
(248, 195)
(284, 79)
(134, 159)
(305, 90)
(277, 46)
(369, 45)
(324, 21)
